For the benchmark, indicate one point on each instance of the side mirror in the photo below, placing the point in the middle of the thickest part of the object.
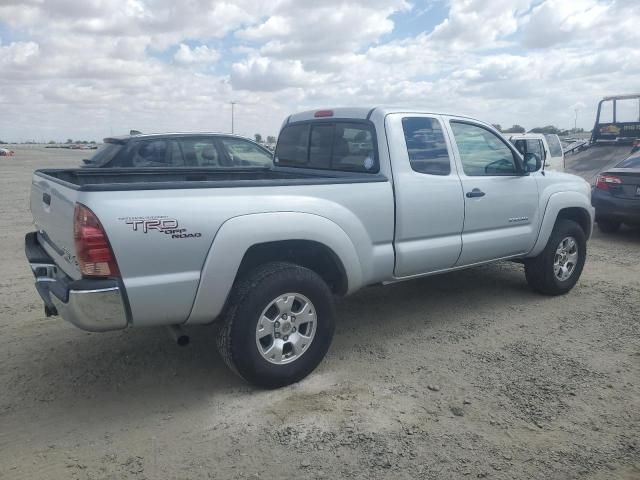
(532, 162)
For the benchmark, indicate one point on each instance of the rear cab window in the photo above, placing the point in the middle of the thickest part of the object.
(342, 145)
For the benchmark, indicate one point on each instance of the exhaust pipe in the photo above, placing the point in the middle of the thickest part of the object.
(179, 335)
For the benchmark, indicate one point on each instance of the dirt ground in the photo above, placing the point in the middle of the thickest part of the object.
(466, 375)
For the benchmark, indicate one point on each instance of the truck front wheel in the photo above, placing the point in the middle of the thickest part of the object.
(278, 326)
(558, 267)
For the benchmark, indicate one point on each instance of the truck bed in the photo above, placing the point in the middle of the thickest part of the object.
(94, 180)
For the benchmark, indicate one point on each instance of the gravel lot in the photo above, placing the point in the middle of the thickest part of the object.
(467, 375)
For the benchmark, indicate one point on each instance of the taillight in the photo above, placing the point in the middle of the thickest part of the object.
(603, 181)
(323, 113)
(93, 251)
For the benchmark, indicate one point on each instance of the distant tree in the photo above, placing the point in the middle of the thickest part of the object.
(69, 140)
(271, 139)
(52, 142)
(497, 126)
(515, 129)
(258, 138)
(546, 129)
(3, 142)
(92, 142)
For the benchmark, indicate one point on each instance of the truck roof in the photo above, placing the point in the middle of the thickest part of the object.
(524, 136)
(362, 112)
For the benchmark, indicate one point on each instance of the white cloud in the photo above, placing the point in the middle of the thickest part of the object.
(263, 74)
(307, 30)
(557, 21)
(87, 68)
(475, 24)
(200, 54)
(18, 54)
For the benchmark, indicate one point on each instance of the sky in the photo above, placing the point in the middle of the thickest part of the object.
(86, 69)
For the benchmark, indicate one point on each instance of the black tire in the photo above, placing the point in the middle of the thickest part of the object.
(608, 226)
(539, 270)
(236, 338)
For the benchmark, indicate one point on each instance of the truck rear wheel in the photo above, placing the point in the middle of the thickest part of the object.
(278, 326)
(558, 267)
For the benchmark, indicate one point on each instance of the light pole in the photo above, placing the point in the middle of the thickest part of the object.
(575, 121)
(232, 112)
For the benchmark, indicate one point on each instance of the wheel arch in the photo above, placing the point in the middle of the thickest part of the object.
(564, 205)
(315, 256)
(579, 215)
(247, 241)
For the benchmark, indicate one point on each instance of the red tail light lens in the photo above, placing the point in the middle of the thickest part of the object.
(323, 113)
(603, 181)
(93, 251)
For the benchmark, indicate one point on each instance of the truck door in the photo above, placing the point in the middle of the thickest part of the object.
(428, 195)
(501, 203)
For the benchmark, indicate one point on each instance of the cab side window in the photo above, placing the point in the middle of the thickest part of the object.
(200, 152)
(152, 153)
(426, 145)
(482, 152)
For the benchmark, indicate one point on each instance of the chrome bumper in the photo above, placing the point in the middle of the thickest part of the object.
(97, 310)
(94, 305)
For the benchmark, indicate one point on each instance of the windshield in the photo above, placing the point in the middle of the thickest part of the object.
(555, 147)
(631, 162)
(105, 154)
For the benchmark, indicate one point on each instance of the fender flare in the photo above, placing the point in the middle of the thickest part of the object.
(556, 203)
(238, 234)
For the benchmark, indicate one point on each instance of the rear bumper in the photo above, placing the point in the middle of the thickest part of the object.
(609, 207)
(95, 305)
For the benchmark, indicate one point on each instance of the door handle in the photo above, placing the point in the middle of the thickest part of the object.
(476, 192)
(46, 198)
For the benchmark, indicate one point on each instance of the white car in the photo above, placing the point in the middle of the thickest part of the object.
(546, 145)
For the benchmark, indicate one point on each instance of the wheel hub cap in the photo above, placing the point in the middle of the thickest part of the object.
(286, 328)
(566, 258)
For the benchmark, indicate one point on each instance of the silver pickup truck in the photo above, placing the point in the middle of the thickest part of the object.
(355, 197)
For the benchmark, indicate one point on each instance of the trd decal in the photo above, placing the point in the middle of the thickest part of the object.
(162, 224)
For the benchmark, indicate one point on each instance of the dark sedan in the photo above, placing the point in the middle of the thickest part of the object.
(616, 195)
(170, 150)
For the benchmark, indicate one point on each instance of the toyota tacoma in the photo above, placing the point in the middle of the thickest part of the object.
(354, 197)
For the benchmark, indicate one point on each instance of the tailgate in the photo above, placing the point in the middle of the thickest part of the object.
(52, 207)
